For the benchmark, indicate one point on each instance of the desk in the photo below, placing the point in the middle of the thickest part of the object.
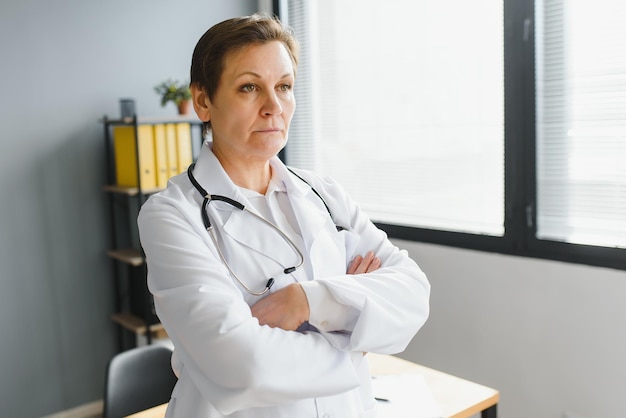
(457, 398)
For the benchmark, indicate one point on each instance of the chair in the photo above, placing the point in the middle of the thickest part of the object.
(138, 379)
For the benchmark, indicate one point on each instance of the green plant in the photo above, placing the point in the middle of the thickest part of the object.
(174, 91)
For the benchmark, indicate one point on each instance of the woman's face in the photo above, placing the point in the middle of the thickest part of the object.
(253, 104)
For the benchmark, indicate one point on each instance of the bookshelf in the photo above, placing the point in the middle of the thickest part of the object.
(133, 155)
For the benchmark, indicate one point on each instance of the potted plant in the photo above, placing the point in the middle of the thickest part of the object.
(177, 92)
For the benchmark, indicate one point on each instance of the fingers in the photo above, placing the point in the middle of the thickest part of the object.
(374, 265)
(367, 264)
(354, 264)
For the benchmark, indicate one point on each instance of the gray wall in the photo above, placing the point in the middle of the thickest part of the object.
(550, 336)
(64, 64)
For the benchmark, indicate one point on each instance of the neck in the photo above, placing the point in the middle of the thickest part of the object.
(252, 175)
(252, 179)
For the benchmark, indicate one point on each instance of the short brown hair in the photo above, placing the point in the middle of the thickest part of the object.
(207, 62)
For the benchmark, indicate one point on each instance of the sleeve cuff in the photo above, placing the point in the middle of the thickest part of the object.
(325, 313)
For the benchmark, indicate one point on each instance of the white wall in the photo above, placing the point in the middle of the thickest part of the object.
(550, 336)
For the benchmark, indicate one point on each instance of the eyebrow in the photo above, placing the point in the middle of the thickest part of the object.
(252, 73)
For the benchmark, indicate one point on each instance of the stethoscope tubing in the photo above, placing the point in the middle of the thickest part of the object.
(208, 198)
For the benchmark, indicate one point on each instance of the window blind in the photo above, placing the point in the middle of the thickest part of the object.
(403, 103)
(302, 146)
(581, 121)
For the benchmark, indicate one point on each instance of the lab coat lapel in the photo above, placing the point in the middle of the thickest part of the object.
(306, 205)
(324, 244)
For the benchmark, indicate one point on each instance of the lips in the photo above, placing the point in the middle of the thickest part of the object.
(269, 130)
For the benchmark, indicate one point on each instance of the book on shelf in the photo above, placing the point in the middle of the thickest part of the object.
(125, 151)
(165, 150)
(184, 148)
(160, 156)
(172, 149)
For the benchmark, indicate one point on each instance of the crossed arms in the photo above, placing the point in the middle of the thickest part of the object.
(288, 307)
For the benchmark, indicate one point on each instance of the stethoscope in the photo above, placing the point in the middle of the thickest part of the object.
(208, 198)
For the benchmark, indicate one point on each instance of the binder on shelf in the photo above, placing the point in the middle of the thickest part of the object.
(164, 151)
(126, 160)
(160, 156)
(171, 147)
(184, 147)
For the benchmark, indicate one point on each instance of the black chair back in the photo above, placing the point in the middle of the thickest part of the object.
(138, 379)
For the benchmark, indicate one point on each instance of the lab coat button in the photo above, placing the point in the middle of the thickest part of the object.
(324, 324)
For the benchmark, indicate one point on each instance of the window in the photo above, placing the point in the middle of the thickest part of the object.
(581, 121)
(408, 116)
(426, 113)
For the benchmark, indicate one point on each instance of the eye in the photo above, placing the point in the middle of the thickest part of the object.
(284, 87)
(248, 88)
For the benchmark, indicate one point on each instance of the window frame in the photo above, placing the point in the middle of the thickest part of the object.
(520, 236)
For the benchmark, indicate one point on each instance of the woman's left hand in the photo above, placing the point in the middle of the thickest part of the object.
(367, 264)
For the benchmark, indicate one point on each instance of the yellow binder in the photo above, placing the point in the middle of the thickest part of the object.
(126, 160)
(160, 156)
(183, 142)
(172, 153)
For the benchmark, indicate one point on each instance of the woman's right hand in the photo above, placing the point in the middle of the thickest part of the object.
(367, 264)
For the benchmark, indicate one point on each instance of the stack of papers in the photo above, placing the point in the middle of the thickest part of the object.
(404, 396)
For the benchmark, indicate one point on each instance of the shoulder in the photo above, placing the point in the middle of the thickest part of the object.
(331, 192)
(321, 183)
(178, 197)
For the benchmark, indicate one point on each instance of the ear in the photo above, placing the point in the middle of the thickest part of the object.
(201, 103)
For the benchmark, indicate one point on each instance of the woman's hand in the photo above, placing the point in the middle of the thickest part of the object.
(286, 308)
(367, 264)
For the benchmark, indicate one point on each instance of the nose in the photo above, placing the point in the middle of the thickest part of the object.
(271, 104)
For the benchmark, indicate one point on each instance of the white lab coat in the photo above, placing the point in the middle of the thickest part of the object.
(229, 365)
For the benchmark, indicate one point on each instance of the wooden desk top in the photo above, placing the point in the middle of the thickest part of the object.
(457, 398)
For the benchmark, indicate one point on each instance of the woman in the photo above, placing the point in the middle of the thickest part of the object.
(271, 309)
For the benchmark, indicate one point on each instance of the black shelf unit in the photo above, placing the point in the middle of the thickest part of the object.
(134, 311)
